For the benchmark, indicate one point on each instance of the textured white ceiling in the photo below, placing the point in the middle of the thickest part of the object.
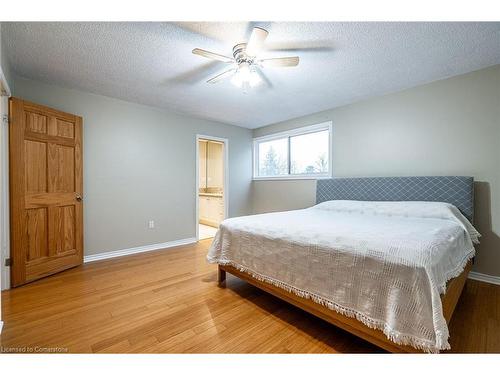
(152, 63)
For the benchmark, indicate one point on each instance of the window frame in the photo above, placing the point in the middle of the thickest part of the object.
(288, 134)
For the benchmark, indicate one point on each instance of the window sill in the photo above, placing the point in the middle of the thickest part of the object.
(282, 178)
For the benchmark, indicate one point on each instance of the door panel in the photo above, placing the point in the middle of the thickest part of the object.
(65, 129)
(61, 163)
(36, 226)
(46, 186)
(36, 122)
(35, 167)
(65, 228)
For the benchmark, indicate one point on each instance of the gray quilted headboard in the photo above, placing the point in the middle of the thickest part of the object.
(457, 190)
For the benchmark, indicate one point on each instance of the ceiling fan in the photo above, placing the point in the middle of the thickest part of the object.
(245, 72)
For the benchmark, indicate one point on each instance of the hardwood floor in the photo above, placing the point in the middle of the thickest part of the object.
(167, 301)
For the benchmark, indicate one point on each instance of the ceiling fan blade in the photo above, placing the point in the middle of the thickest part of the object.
(256, 41)
(301, 46)
(280, 61)
(223, 75)
(300, 49)
(212, 55)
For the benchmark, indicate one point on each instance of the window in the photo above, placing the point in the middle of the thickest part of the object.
(299, 153)
(273, 158)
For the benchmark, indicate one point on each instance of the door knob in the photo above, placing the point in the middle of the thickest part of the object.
(78, 197)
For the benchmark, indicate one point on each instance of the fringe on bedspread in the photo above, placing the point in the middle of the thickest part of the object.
(393, 335)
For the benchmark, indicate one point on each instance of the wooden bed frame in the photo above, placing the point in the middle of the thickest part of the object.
(449, 299)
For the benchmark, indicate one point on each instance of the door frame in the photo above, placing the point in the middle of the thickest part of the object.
(5, 94)
(225, 188)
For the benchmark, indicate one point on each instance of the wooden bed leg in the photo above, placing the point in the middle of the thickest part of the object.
(221, 276)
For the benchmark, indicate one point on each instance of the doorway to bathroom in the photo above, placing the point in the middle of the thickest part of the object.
(212, 177)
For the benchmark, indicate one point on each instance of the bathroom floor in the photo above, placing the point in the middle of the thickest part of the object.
(205, 231)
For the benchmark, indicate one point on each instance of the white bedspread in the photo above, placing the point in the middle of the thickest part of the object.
(384, 263)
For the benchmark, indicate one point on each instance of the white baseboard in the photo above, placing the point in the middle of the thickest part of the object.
(139, 249)
(485, 278)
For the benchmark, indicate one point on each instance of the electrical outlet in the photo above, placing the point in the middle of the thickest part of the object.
(151, 224)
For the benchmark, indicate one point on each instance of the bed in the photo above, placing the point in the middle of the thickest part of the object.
(385, 258)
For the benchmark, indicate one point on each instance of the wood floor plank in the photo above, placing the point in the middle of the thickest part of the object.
(167, 301)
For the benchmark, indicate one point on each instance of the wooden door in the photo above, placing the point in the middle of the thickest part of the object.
(45, 191)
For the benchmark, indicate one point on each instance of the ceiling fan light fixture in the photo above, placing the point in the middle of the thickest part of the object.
(245, 76)
(245, 72)
(236, 80)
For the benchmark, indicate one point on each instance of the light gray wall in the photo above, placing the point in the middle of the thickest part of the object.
(449, 127)
(139, 165)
